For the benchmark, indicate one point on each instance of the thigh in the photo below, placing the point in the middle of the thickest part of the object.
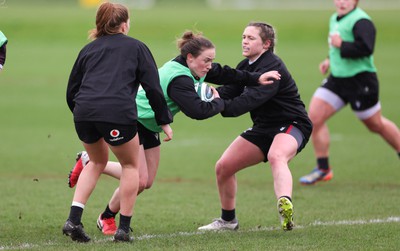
(240, 154)
(283, 148)
(127, 153)
(374, 121)
(98, 152)
(323, 105)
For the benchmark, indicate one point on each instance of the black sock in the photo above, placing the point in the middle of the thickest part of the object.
(75, 215)
(398, 154)
(125, 222)
(108, 213)
(228, 215)
(287, 197)
(323, 164)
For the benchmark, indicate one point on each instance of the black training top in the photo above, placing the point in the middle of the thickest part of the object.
(364, 40)
(269, 105)
(105, 78)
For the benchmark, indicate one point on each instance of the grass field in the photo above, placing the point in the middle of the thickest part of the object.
(357, 210)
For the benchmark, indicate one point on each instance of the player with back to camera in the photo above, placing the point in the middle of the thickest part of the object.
(179, 77)
(281, 128)
(352, 80)
(101, 94)
(3, 54)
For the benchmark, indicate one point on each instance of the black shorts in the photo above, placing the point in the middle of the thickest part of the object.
(361, 91)
(147, 138)
(264, 137)
(114, 134)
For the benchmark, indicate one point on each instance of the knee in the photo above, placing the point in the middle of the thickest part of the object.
(144, 184)
(220, 169)
(316, 119)
(273, 157)
(149, 184)
(276, 156)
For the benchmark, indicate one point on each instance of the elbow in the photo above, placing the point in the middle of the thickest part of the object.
(227, 113)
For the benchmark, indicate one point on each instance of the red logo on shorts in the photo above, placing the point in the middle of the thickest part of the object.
(114, 133)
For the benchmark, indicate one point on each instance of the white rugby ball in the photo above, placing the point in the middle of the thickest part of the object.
(205, 93)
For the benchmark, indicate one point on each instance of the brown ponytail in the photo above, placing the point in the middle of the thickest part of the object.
(193, 43)
(109, 18)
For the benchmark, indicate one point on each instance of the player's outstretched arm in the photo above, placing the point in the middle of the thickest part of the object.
(269, 77)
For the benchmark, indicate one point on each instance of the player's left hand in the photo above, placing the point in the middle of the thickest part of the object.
(269, 77)
(168, 132)
(215, 92)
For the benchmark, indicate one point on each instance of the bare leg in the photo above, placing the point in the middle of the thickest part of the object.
(283, 149)
(239, 155)
(152, 161)
(320, 112)
(385, 128)
(149, 160)
(113, 169)
(128, 156)
(98, 153)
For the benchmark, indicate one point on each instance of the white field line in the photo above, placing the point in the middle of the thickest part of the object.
(392, 219)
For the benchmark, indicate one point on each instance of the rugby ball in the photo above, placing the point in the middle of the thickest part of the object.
(205, 93)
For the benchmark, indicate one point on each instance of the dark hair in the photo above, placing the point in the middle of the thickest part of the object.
(267, 32)
(109, 18)
(193, 43)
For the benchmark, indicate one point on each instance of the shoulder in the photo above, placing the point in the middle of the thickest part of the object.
(365, 22)
(181, 83)
(125, 40)
(333, 17)
(270, 61)
(173, 66)
(242, 64)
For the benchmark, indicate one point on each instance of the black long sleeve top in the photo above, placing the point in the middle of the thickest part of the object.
(269, 105)
(105, 78)
(364, 40)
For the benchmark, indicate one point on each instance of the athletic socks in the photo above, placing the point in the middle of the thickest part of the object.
(125, 222)
(108, 213)
(75, 215)
(228, 215)
(323, 164)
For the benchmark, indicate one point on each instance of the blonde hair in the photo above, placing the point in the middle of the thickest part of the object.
(193, 43)
(109, 18)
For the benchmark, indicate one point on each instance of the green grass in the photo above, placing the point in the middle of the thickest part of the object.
(38, 142)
